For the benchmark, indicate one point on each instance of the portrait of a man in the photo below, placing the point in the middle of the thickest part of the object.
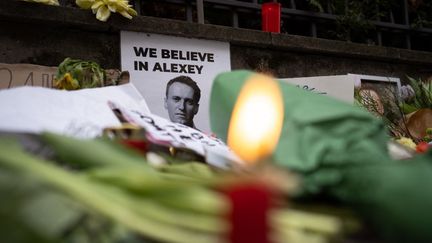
(182, 97)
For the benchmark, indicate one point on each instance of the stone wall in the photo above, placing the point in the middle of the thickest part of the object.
(45, 35)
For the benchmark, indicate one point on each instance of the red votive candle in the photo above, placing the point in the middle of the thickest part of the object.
(270, 13)
(250, 204)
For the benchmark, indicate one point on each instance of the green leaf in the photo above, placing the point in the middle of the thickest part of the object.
(50, 213)
(406, 108)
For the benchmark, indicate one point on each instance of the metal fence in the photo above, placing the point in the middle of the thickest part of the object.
(298, 17)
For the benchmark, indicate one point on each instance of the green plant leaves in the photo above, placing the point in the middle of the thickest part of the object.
(86, 74)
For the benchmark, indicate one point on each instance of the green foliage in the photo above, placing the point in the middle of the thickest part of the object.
(353, 18)
(78, 74)
(317, 4)
(428, 137)
(113, 194)
(421, 14)
(422, 97)
(396, 109)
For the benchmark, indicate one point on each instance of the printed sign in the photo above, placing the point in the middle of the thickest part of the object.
(340, 87)
(153, 60)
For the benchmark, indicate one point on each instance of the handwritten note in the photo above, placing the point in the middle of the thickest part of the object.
(213, 149)
(340, 87)
(13, 75)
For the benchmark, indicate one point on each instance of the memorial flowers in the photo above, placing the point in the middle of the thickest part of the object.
(418, 109)
(103, 8)
(408, 113)
(75, 74)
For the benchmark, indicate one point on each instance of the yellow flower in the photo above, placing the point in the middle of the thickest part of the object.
(407, 142)
(102, 12)
(103, 8)
(67, 82)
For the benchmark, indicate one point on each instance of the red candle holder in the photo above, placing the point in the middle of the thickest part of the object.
(270, 13)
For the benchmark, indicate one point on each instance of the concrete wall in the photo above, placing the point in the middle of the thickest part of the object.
(45, 35)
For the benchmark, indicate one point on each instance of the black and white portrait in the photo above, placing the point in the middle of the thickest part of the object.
(181, 100)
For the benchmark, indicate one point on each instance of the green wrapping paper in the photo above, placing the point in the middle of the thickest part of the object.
(317, 129)
(341, 152)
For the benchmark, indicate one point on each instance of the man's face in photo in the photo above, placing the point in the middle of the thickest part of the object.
(180, 104)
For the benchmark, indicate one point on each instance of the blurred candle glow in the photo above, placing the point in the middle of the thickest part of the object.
(257, 119)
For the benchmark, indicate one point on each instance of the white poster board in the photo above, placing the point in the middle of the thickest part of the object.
(340, 87)
(152, 60)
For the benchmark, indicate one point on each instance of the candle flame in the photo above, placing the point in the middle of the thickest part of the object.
(257, 119)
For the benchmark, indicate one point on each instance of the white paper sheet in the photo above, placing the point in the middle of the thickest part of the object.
(82, 113)
(215, 151)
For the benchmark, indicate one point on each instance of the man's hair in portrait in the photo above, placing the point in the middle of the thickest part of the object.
(189, 82)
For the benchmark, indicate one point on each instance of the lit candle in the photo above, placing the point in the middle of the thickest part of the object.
(257, 119)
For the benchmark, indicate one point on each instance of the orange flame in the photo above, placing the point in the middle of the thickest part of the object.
(257, 119)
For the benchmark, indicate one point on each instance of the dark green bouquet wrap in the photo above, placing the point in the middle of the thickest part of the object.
(341, 152)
